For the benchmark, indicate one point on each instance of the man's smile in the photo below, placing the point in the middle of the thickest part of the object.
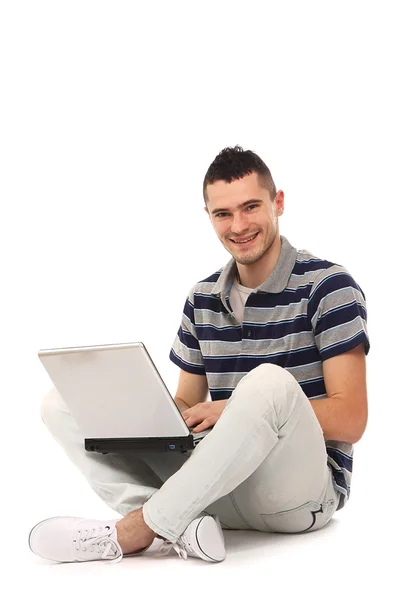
(244, 241)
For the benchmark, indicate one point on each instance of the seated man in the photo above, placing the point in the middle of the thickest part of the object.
(278, 338)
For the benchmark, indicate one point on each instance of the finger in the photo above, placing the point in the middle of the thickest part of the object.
(201, 426)
(204, 425)
(196, 423)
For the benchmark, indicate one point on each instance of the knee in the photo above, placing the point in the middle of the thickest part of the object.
(268, 384)
(51, 406)
(269, 375)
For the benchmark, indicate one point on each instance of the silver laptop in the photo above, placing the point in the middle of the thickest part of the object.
(118, 399)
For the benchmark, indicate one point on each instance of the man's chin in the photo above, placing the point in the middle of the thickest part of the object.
(243, 259)
(252, 255)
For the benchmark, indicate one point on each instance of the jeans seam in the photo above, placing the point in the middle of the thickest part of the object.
(238, 510)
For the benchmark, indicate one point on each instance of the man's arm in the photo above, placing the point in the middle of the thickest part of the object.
(343, 415)
(192, 389)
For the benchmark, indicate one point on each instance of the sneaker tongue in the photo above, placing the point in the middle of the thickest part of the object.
(98, 535)
(106, 546)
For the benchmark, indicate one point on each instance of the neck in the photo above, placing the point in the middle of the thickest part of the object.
(252, 276)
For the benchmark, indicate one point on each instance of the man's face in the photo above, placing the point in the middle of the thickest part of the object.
(244, 217)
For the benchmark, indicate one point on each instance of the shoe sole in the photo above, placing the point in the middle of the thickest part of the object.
(210, 539)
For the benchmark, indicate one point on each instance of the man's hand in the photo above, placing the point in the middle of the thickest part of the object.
(204, 414)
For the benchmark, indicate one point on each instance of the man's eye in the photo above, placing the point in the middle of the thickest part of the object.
(220, 215)
(252, 206)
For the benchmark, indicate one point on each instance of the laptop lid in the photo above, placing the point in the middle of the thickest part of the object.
(114, 391)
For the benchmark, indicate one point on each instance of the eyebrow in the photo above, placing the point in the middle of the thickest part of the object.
(242, 205)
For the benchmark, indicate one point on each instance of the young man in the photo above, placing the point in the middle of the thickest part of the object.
(278, 338)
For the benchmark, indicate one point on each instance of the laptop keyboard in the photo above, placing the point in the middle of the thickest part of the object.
(199, 434)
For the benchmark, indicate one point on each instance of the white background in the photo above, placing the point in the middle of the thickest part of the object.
(111, 113)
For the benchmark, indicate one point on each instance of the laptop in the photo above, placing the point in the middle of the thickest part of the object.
(118, 399)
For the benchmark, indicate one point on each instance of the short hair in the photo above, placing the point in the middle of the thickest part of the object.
(234, 163)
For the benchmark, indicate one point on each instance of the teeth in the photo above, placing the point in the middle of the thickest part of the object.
(244, 241)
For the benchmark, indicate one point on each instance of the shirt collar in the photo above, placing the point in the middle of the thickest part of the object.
(275, 283)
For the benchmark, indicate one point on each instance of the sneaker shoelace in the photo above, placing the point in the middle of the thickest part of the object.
(97, 539)
(181, 547)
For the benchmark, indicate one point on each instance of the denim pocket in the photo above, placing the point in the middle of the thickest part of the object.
(307, 517)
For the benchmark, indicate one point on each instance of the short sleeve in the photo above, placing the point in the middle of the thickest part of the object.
(338, 313)
(185, 351)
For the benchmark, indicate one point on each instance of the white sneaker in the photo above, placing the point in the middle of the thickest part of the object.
(73, 539)
(203, 538)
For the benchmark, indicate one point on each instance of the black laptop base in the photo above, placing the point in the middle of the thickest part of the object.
(170, 444)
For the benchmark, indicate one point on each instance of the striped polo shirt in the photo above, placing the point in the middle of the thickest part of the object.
(307, 311)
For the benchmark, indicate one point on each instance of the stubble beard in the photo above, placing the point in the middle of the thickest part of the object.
(256, 255)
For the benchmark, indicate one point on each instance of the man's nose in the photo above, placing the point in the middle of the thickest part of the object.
(239, 223)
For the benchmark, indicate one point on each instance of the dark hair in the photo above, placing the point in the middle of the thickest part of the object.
(235, 163)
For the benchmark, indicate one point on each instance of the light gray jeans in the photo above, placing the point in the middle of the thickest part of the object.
(262, 467)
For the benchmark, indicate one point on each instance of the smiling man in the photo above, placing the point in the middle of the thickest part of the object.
(278, 338)
(247, 228)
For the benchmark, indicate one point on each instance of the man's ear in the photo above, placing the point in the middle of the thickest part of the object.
(280, 202)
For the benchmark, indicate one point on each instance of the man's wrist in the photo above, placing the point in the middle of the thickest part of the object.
(181, 404)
